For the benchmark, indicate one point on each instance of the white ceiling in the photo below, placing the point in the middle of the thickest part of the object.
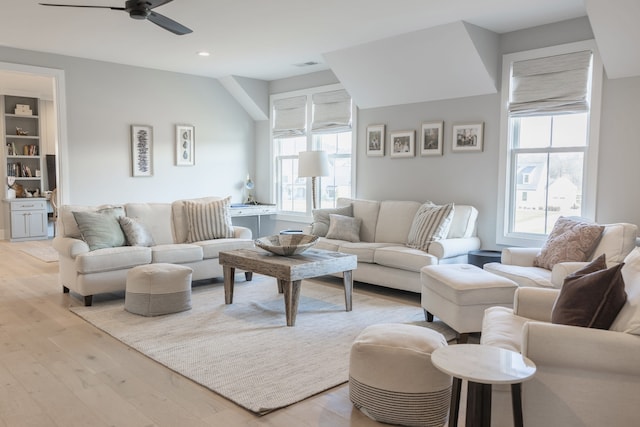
(260, 39)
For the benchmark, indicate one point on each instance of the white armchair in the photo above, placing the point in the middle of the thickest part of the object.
(517, 263)
(585, 377)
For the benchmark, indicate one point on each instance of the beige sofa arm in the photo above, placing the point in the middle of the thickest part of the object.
(519, 256)
(584, 349)
(241, 232)
(448, 248)
(534, 303)
(69, 247)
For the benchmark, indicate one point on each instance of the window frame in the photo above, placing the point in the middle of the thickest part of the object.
(506, 157)
(306, 217)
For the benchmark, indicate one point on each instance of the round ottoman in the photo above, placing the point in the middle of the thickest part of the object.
(156, 289)
(392, 380)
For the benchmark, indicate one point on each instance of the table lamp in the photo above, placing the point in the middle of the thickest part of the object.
(313, 164)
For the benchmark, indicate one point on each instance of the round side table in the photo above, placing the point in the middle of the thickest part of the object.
(481, 257)
(482, 366)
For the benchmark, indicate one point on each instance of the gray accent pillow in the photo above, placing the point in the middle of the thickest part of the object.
(100, 229)
(136, 233)
(344, 228)
(320, 225)
(430, 223)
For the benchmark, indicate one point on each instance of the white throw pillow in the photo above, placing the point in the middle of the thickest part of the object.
(208, 221)
(628, 319)
(344, 228)
(430, 223)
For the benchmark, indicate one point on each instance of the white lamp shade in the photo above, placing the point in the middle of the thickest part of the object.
(313, 163)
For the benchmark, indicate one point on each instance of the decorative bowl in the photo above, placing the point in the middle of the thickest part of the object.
(286, 244)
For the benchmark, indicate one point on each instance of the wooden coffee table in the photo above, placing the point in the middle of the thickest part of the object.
(289, 271)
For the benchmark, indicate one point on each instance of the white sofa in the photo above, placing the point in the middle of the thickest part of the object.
(384, 258)
(585, 377)
(617, 241)
(89, 272)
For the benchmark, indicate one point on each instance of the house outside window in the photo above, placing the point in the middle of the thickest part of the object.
(549, 145)
(314, 119)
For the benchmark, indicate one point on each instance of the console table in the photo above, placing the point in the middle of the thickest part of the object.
(241, 209)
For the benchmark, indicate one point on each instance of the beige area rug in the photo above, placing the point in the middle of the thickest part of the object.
(43, 253)
(244, 351)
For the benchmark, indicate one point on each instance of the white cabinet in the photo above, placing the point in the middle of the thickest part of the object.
(28, 219)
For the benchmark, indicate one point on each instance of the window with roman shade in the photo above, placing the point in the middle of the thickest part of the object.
(331, 111)
(289, 116)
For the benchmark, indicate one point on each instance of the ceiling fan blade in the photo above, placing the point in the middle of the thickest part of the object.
(155, 3)
(168, 24)
(79, 5)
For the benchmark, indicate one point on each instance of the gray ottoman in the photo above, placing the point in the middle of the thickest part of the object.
(392, 380)
(156, 289)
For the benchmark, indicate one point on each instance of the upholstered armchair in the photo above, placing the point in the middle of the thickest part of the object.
(517, 264)
(585, 376)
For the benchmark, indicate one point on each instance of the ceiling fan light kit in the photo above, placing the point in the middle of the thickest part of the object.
(140, 10)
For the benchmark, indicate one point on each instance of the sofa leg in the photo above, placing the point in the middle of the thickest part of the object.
(65, 290)
(248, 275)
(88, 300)
(428, 316)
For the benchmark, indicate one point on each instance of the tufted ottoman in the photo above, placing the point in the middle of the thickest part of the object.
(458, 294)
(156, 289)
(392, 380)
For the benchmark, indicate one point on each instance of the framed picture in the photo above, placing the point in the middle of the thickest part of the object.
(142, 150)
(467, 137)
(185, 145)
(431, 139)
(403, 143)
(375, 140)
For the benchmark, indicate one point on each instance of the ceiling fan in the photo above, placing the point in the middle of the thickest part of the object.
(141, 9)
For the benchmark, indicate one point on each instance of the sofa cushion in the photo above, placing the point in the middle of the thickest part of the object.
(329, 244)
(100, 229)
(109, 259)
(320, 224)
(179, 221)
(570, 240)
(210, 220)
(430, 223)
(403, 258)
(628, 320)
(364, 251)
(617, 241)
(344, 228)
(367, 211)
(136, 233)
(394, 221)
(156, 217)
(212, 248)
(591, 297)
(176, 253)
(501, 328)
(463, 223)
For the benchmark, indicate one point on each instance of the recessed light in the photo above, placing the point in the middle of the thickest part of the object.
(203, 53)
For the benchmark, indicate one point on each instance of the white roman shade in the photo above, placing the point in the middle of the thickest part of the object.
(331, 111)
(289, 116)
(553, 84)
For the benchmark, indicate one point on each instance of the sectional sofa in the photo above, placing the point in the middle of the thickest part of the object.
(88, 272)
(384, 258)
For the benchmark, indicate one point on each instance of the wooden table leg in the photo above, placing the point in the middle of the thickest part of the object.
(478, 405)
(516, 404)
(454, 409)
(229, 279)
(281, 284)
(347, 279)
(291, 297)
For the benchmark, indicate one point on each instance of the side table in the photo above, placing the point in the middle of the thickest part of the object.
(482, 366)
(482, 257)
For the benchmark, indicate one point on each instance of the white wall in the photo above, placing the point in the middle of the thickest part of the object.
(104, 99)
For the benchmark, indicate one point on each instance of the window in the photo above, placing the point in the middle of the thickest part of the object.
(549, 129)
(314, 119)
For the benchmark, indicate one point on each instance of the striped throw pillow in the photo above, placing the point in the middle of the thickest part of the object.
(207, 221)
(430, 223)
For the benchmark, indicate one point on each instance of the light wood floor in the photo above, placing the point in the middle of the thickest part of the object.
(58, 370)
